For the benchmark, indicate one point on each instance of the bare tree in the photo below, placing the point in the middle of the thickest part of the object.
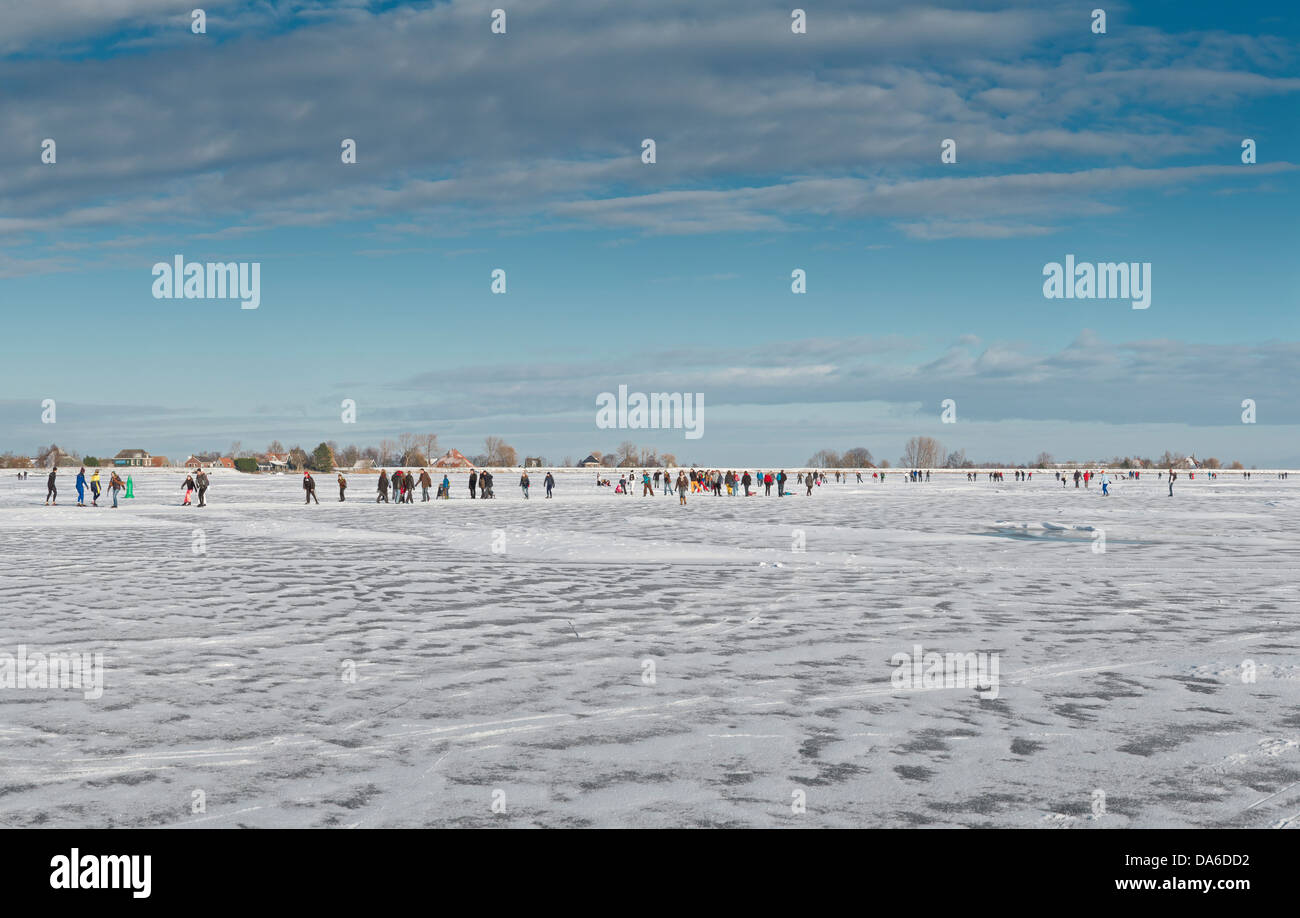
(499, 452)
(48, 456)
(824, 459)
(1044, 460)
(922, 453)
(348, 456)
(387, 449)
(858, 458)
(668, 460)
(568, 462)
(275, 447)
(627, 454)
(235, 449)
(429, 445)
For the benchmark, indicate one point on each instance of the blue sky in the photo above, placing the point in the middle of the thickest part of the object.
(775, 151)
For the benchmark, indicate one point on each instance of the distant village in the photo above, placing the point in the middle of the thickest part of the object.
(415, 452)
(408, 451)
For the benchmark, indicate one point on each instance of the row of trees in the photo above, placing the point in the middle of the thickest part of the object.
(629, 455)
(407, 450)
(47, 455)
(422, 450)
(929, 453)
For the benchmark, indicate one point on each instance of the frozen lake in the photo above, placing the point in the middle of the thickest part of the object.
(606, 660)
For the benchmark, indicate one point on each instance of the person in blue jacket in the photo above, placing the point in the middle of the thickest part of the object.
(81, 488)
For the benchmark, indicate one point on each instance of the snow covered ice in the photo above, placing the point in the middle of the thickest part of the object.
(610, 660)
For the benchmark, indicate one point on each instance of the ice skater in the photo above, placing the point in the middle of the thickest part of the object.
(94, 488)
(201, 482)
(81, 488)
(187, 487)
(383, 487)
(53, 493)
(343, 486)
(115, 485)
(309, 487)
(550, 484)
(523, 484)
(682, 485)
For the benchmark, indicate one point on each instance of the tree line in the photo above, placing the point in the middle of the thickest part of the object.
(929, 453)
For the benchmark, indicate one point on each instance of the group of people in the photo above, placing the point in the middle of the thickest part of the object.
(194, 483)
(401, 486)
(701, 481)
(115, 486)
(716, 481)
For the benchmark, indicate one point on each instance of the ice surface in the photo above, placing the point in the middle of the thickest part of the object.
(524, 671)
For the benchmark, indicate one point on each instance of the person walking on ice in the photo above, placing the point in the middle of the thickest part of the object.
(550, 485)
(1171, 482)
(94, 488)
(682, 485)
(81, 488)
(1105, 483)
(343, 486)
(53, 493)
(187, 487)
(115, 485)
(383, 487)
(201, 482)
(523, 484)
(309, 487)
